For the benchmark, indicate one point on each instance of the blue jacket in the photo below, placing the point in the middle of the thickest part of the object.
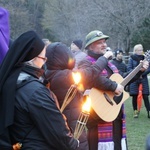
(134, 60)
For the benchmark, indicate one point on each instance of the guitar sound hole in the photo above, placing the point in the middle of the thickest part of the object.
(118, 99)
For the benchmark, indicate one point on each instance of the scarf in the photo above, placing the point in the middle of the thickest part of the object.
(105, 130)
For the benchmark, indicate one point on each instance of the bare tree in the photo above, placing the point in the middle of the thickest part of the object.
(123, 21)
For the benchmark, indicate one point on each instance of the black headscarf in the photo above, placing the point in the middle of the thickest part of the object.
(24, 48)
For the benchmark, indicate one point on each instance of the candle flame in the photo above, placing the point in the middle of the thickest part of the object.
(87, 105)
(76, 77)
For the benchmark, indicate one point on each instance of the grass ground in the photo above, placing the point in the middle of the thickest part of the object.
(137, 128)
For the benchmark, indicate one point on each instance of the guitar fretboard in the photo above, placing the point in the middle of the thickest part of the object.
(131, 75)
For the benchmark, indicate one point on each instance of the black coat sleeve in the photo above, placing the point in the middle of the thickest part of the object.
(90, 71)
(50, 121)
(98, 81)
(106, 84)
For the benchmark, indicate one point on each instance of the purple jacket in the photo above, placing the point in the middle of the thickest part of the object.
(4, 32)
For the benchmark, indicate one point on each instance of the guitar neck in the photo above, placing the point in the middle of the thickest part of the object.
(131, 75)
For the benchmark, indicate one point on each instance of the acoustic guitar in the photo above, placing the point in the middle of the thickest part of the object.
(105, 103)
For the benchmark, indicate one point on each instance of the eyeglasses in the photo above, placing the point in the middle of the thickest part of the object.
(44, 58)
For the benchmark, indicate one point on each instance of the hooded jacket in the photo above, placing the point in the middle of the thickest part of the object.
(60, 65)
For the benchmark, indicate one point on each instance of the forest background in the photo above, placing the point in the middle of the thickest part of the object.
(127, 22)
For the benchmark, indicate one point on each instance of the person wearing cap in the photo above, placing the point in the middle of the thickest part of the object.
(76, 47)
(118, 62)
(104, 135)
(28, 112)
(60, 65)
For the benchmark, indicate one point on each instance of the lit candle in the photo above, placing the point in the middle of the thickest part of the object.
(76, 77)
(83, 118)
(72, 90)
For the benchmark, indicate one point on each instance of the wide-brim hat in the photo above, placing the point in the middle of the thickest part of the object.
(94, 36)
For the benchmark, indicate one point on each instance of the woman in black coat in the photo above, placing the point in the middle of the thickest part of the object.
(134, 61)
(60, 65)
(27, 110)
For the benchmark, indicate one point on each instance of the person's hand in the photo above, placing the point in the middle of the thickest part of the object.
(145, 65)
(108, 54)
(119, 90)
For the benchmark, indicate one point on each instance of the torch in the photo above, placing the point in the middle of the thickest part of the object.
(83, 118)
(71, 91)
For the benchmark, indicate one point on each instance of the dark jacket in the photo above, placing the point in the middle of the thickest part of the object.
(121, 66)
(94, 120)
(133, 62)
(60, 76)
(38, 123)
(100, 81)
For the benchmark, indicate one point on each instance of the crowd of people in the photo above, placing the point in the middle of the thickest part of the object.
(35, 75)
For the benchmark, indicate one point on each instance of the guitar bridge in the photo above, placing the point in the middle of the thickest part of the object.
(108, 99)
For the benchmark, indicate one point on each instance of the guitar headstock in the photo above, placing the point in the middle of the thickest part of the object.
(147, 55)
